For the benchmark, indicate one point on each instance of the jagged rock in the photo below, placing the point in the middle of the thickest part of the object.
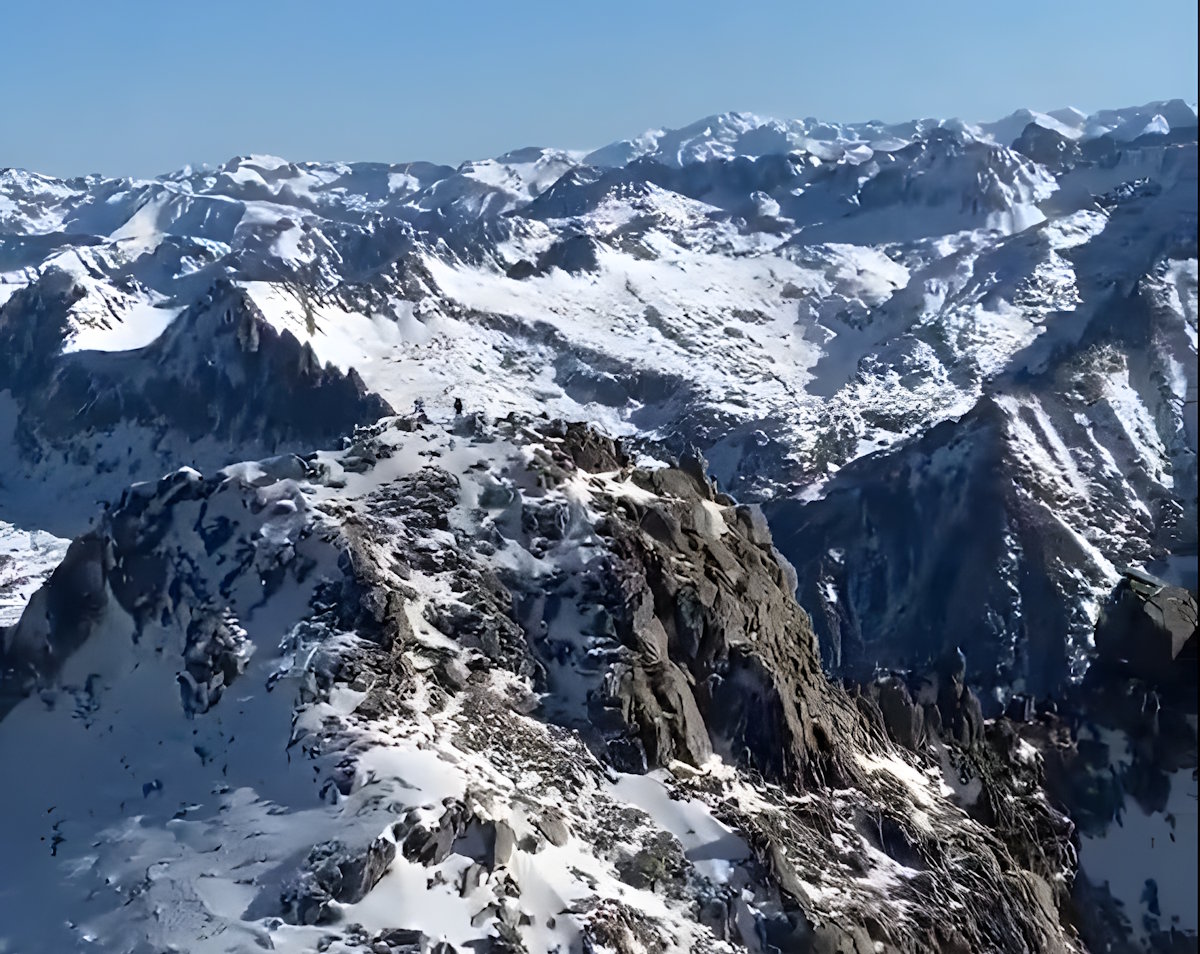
(1020, 708)
(549, 521)
(505, 844)
(472, 425)
(724, 662)
(334, 872)
(58, 619)
(521, 269)
(754, 522)
(902, 716)
(1047, 146)
(431, 845)
(695, 466)
(221, 370)
(214, 656)
(1150, 627)
(455, 672)
(575, 253)
(960, 712)
(284, 467)
(592, 451)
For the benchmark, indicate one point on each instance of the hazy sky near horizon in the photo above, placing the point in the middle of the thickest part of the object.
(138, 88)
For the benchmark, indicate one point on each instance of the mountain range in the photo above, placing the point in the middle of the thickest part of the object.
(641, 549)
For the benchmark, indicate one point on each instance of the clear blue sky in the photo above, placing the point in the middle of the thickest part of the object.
(144, 87)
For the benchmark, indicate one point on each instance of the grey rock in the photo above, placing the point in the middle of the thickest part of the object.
(1150, 627)
(506, 843)
(551, 824)
(903, 718)
(334, 872)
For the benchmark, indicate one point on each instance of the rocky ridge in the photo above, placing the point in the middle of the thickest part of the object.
(525, 696)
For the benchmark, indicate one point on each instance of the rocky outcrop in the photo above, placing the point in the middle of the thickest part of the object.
(719, 659)
(131, 573)
(724, 658)
(1148, 627)
(1047, 147)
(333, 872)
(888, 527)
(59, 617)
(484, 663)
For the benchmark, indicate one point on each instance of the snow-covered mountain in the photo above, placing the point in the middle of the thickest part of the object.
(954, 363)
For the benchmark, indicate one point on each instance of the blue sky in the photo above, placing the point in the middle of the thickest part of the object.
(145, 87)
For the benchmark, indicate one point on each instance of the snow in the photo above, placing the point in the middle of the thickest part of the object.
(9, 288)
(138, 326)
(141, 232)
(608, 311)
(528, 171)
(1160, 846)
(137, 736)
(920, 785)
(1005, 130)
(707, 843)
(884, 287)
(962, 788)
(27, 558)
(746, 134)
(339, 337)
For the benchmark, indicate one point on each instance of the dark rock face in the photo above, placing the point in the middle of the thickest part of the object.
(57, 621)
(1112, 752)
(889, 530)
(1047, 147)
(574, 254)
(958, 536)
(129, 566)
(717, 657)
(725, 658)
(722, 657)
(902, 716)
(219, 377)
(941, 544)
(521, 269)
(334, 872)
(1149, 627)
(938, 713)
(214, 656)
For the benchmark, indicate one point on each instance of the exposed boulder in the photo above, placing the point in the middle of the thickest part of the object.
(1149, 627)
(333, 872)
